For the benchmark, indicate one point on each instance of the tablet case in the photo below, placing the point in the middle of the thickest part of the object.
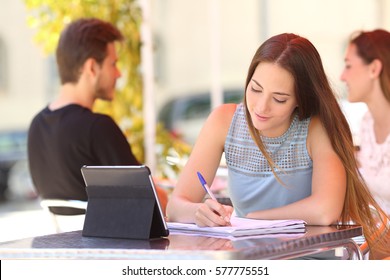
(122, 203)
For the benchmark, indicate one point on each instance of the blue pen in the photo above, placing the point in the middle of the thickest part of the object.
(205, 186)
(208, 191)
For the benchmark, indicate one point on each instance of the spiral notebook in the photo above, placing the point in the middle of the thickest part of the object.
(242, 227)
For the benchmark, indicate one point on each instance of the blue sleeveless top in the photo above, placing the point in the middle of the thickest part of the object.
(252, 185)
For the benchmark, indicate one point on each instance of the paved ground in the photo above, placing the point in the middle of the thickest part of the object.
(20, 218)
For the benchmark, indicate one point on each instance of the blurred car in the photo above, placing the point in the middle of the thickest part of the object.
(184, 116)
(15, 178)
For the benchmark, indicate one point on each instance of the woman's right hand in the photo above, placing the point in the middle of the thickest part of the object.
(213, 214)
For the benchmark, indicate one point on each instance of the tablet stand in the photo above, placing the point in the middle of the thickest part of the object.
(121, 212)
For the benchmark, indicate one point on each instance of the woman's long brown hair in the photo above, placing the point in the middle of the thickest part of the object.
(316, 98)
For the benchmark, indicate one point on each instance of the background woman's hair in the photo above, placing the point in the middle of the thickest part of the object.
(373, 45)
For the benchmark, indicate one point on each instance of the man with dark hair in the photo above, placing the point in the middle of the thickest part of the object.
(66, 134)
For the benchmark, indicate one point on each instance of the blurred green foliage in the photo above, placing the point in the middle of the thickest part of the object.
(48, 18)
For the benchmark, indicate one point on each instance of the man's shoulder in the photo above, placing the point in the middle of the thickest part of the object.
(102, 118)
(95, 121)
(71, 116)
(81, 114)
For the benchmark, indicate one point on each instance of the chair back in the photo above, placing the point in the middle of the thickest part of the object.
(59, 208)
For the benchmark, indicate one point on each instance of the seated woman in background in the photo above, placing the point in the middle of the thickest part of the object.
(367, 75)
(288, 149)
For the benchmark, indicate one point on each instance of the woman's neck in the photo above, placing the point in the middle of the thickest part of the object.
(380, 112)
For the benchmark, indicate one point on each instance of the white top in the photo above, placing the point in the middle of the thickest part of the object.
(374, 160)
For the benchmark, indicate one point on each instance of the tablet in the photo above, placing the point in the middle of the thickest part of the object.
(122, 202)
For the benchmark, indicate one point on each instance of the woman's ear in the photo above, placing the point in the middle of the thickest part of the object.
(375, 68)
